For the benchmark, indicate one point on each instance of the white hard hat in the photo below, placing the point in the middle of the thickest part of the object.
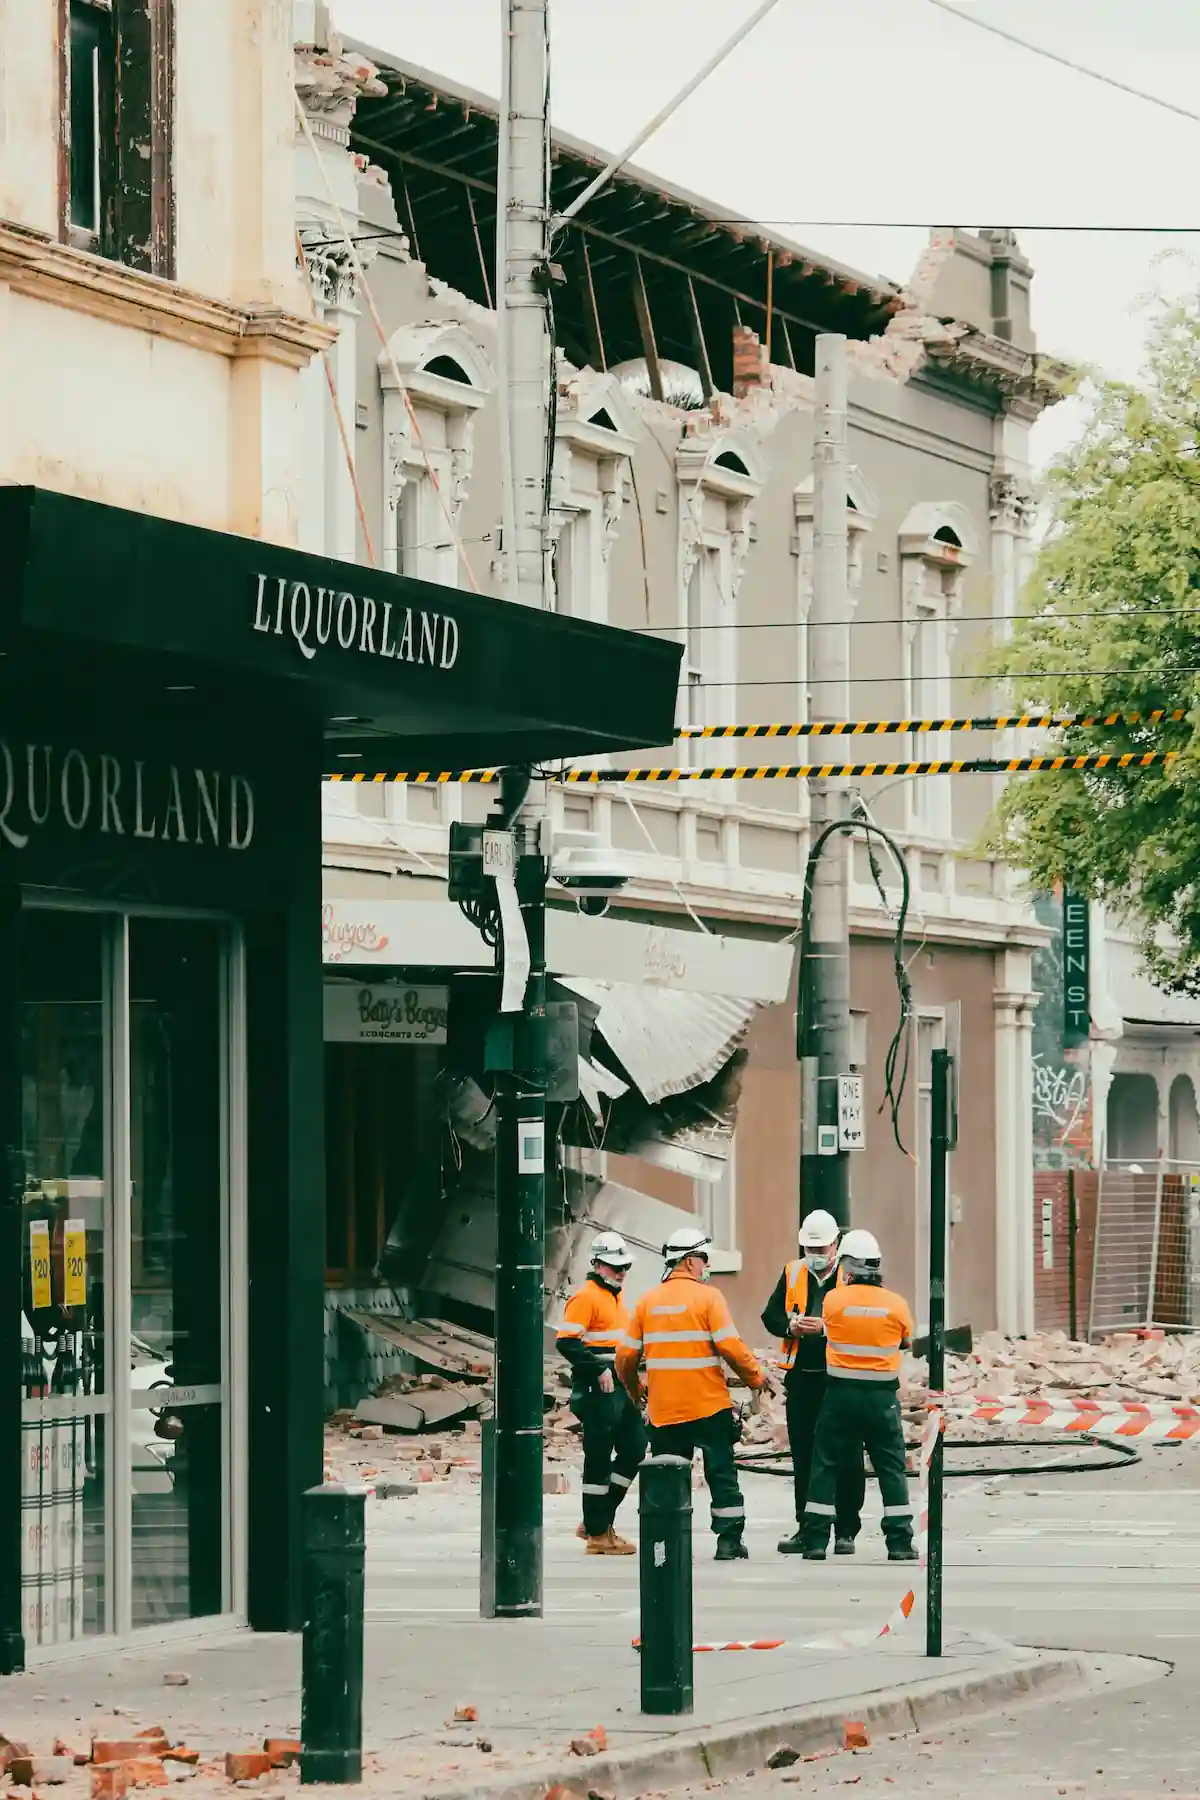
(610, 1247)
(861, 1246)
(689, 1240)
(817, 1230)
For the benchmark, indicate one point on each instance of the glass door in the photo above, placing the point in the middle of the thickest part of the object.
(66, 1234)
(177, 1288)
(131, 1032)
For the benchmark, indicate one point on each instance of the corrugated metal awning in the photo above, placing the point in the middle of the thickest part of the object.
(668, 1041)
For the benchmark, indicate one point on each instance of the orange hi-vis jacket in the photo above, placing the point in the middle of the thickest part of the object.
(864, 1329)
(796, 1301)
(597, 1317)
(681, 1332)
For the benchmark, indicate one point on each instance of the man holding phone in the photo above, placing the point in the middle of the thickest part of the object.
(793, 1315)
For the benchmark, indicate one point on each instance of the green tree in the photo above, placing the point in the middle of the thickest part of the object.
(1114, 626)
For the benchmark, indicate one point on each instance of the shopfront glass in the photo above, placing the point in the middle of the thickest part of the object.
(128, 1488)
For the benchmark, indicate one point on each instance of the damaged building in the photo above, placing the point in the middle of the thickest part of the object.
(681, 504)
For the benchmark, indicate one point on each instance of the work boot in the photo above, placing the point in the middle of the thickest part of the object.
(902, 1553)
(608, 1544)
(623, 1547)
(731, 1549)
(843, 1546)
(791, 1546)
(815, 1552)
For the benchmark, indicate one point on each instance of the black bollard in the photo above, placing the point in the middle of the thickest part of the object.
(334, 1546)
(665, 1582)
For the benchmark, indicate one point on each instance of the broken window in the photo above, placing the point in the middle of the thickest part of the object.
(117, 100)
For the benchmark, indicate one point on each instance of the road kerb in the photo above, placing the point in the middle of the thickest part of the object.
(695, 1754)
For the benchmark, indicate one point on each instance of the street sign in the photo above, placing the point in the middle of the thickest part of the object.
(499, 853)
(852, 1131)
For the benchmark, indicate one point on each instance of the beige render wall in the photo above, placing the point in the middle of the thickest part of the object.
(90, 403)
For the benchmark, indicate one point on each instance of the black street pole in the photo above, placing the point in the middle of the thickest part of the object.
(1072, 1270)
(520, 1264)
(939, 1150)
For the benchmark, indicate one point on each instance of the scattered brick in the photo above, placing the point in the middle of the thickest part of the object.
(283, 1752)
(147, 1771)
(465, 1715)
(110, 1781)
(600, 1735)
(783, 1758)
(855, 1735)
(179, 1753)
(247, 1765)
(584, 1746)
(108, 1750)
(176, 1678)
(10, 1748)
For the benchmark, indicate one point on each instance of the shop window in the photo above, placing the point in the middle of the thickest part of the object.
(937, 546)
(381, 1151)
(862, 510)
(117, 80)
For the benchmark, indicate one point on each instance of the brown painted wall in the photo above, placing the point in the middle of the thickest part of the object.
(885, 1183)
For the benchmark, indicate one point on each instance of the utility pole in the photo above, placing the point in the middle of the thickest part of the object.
(522, 278)
(825, 974)
(941, 1137)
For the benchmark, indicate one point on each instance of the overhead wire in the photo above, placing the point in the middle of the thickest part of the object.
(1116, 613)
(1065, 62)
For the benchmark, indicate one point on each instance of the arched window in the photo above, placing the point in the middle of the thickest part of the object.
(938, 544)
(862, 509)
(595, 435)
(719, 477)
(427, 467)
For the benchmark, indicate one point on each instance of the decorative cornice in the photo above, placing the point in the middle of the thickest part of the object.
(1029, 382)
(32, 263)
(330, 82)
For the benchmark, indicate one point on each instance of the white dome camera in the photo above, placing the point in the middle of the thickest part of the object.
(590, 870)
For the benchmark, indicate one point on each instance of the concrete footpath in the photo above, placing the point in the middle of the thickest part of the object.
(536, 1687)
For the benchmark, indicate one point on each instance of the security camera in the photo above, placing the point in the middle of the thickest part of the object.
(590, 870)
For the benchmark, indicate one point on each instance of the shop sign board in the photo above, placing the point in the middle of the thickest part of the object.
(385, 1013)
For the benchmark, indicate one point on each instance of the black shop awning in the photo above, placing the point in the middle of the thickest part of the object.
(398, 672)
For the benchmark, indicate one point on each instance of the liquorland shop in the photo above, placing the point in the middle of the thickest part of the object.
(169, 700)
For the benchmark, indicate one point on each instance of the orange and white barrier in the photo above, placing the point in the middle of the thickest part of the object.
(1168, 1422)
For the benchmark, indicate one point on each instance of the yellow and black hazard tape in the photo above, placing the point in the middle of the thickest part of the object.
(904, 727)
(981, 765)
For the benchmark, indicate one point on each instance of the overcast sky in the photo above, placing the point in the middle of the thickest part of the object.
(892, 116)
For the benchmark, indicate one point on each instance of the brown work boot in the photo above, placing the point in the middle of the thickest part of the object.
(609, 1544)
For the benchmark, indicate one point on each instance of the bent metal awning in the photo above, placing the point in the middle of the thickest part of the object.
(387, 665)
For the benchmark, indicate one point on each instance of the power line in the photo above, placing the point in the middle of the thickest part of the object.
(1006, 675)
(1143, 612)
(1065, 62)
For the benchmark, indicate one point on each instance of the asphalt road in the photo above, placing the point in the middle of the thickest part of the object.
(1108, 1563)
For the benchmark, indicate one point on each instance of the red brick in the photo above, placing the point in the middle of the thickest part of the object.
(105, 1750)
(283, 1752)
(110, 1781)
(147, 1771)
(855, 1735)
(247, 1765)
(181, 1754)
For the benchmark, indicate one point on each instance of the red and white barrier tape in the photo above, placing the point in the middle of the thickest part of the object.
(1162, 1422)
(861, 1639)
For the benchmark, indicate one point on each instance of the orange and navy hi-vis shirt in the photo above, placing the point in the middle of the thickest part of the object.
(681, 1333)
(795, 1300)
(594, 1323)
(864, 1329)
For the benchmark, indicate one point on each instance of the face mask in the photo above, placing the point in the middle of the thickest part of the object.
(819, 1261)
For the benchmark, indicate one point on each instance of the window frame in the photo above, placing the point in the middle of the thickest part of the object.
(135, 201)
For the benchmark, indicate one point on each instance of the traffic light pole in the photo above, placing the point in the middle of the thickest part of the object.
(825, 966)
(520, 1262)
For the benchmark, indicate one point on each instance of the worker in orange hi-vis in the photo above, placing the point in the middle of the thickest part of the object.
(614, 1438)
(680, 1335)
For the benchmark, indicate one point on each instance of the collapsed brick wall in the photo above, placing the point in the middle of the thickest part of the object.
(1051, 1286)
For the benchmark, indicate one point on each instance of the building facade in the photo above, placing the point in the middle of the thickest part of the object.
(175, 674)
(682, 505)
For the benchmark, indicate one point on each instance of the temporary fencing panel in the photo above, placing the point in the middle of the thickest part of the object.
(1146, 1265)
(1052, 1247)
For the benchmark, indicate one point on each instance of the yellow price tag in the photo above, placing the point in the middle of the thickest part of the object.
(39, 1263)
(75, 1263)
